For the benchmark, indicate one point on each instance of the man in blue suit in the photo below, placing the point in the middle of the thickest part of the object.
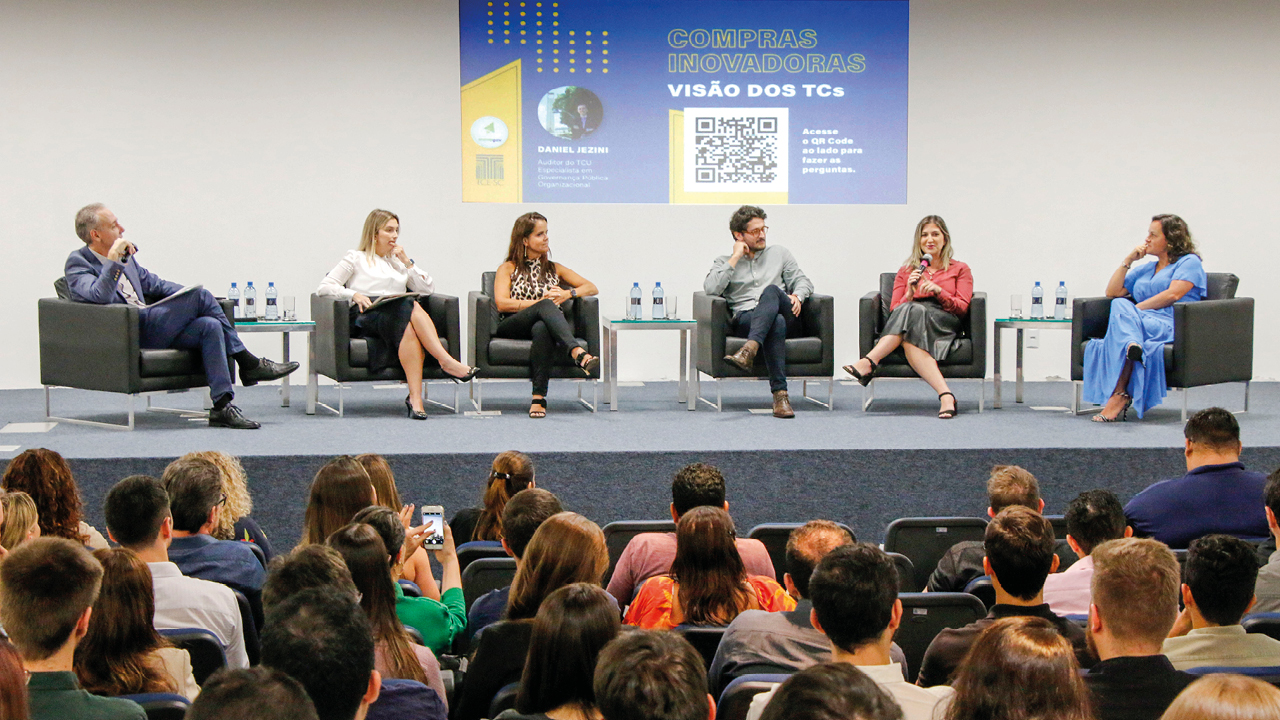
(104, 272)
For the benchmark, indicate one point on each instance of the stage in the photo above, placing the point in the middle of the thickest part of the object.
(863, 469)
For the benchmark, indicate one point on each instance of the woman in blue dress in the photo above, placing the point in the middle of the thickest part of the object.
(1126, 367)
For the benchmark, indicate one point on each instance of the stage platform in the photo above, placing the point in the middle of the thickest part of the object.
(863, 469)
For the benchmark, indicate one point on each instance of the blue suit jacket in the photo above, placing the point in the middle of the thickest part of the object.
(92, 281)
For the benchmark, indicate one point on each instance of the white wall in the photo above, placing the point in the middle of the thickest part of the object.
(248, 140)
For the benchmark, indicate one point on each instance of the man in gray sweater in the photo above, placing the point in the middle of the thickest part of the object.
(765, 289)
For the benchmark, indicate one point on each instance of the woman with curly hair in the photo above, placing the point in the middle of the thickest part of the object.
(46, 477)
(1141, 320)
(234, 522)
(122, 654)
(511, 472)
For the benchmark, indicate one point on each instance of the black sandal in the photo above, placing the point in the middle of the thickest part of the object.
(1121, 416)
(863, 380)
(538, 413)
(948, 414)
(587, 362)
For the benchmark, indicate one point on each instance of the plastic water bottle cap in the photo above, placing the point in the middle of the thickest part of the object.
(1062, 283)
(635, 285)
(1037, 283)
(271, 284)
(657, 284)
(251, 283)
(233, 284)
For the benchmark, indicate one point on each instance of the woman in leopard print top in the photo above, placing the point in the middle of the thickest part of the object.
(530, 291)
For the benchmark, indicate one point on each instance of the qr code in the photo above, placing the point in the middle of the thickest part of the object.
(735, 149)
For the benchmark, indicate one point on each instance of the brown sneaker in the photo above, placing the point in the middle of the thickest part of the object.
(782, 405)
(745, 358)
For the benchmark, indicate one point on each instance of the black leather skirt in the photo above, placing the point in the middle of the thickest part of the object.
(926, 325)
(383, 329)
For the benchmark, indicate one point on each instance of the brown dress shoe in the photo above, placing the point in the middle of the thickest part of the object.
(782, 405)
(745, 358)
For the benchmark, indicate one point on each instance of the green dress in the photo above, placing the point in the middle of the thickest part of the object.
(439, 621)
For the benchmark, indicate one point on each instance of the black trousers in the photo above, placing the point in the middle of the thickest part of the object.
(768, 323)
(545, 324)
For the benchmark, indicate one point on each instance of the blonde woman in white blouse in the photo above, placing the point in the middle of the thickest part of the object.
(400, 330)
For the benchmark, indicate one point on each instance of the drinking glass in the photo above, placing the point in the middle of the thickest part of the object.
(1015, 306)
(673, 312)
(290, 309)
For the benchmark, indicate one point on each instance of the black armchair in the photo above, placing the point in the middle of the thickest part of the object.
(810, 356)
(507, 359)
(968, 362)
(344, 359)
(97, 347)
(1212, 339)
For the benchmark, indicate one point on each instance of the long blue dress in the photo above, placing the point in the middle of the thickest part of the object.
(1104, 359)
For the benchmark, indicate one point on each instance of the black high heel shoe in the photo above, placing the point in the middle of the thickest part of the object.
(471, 373)
(1122, 416)
(863, 380)
(587, 362)
(955, 407)
(414, 414)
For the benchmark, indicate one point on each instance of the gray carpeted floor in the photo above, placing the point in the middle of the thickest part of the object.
(864, 469)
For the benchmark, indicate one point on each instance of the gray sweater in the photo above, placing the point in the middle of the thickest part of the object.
(742, 285)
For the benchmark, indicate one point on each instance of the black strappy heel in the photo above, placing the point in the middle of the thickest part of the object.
(1122, 416)
(948, 414)
(863, 380)
(587, 362)
(538, 413)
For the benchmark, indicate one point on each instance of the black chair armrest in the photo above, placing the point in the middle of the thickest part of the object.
(978, 331)
(1089, 318)
(88, 346)
(1212, 342)
(443, 310)
(712, 314)
(586, 324)
(818, 316)
(868, 322)
(333, 335)
(479, 328)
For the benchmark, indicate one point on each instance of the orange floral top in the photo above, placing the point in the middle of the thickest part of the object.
(652, 608)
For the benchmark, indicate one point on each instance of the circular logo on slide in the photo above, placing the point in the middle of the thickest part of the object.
(489, 132)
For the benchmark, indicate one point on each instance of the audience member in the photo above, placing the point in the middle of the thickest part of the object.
(1020, 667)
(195, 500)
(1093, 517)
(651, 554)
(438, 621)
(1007, 485)
(783, 639)
(708, 584)
(137, 514)
(307, 567)
(1226, 697)
(652, 675)
(833, 691)
(1175, 512)
(340, 489)
(21, 519)
(46, 477)
(258, 693)
(235, 522)
(1019, 545)
(322, 639)
(1267, 589)
(1135, 602)
(856, 605)
(417, 567)
(1217, 591)
(566, 549)
(511, 472)
(573, 624)
(396, 655)
(122, 654)
(523, 515)
(47, 590)
(13, 683)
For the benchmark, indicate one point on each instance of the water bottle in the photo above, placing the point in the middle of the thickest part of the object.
(272, 312)
(659, 303)
(1037, 302)
(1060, 302)
(234, 296)
(250, 302)
(633, 313)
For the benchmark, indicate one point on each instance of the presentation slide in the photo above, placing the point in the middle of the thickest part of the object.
(684, 101)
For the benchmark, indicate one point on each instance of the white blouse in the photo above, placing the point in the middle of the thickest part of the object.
(357, 273)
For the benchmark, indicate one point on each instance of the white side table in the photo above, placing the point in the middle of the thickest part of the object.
(688, 341)
(1019, 324)
(285, 327)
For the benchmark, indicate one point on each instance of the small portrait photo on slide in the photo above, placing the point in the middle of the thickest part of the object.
(570, 112)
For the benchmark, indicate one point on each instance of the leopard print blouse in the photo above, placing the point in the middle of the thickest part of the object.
(534, 280)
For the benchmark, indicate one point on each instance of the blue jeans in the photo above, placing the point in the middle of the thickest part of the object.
(769, 323)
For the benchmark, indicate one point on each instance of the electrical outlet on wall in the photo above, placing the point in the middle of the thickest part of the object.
(1033, 338)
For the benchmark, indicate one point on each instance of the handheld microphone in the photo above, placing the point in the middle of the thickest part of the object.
(129, 249)
(924, 263)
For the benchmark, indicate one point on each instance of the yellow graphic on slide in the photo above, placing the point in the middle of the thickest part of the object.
(676, 183)
(491, 137)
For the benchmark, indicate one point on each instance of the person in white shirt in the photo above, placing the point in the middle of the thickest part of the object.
(1093, 517)
(399, 330)
(855, 604)
(138, 518)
